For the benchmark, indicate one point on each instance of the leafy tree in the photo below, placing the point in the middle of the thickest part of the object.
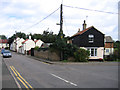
(3, 37)
(116, 54)
(65, 50)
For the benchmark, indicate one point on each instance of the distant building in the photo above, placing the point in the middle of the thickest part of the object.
(38, 43)
(3, 41)
(90, 39)
(16, 44)
(109, 48)
(26, 46)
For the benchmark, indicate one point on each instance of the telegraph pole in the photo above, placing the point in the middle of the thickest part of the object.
(61, 22)
(60, 35)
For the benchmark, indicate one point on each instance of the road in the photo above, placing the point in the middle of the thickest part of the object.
(30, 73)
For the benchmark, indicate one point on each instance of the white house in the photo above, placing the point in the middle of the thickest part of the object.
(16, 44)
(26, 46)
(38, 43)
(13, 46)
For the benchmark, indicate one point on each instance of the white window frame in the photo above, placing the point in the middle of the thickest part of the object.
(94, 52)
(91, 38)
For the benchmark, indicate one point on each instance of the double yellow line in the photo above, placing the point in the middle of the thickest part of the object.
(20, 78)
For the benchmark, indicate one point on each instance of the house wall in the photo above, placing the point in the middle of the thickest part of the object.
(100, 52)
(19, 43)
(3, 45)
(83, 40)
(13, 46)
(109, 45)
(39, 43)
(108, 51)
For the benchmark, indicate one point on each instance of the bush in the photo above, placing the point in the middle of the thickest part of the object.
(81, 55)
(37, 48)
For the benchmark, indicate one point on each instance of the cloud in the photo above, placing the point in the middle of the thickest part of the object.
(20, 14)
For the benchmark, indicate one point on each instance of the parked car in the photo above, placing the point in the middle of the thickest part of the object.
(7, 53)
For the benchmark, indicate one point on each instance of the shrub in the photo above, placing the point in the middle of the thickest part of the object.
(37, 47)
(81, 55)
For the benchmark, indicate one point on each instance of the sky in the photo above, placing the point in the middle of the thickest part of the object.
(27, 16)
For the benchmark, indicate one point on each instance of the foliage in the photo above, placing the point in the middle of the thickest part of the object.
(3, 37)
(81, 55)
(116, 54)
(36, 48)
(65, 50)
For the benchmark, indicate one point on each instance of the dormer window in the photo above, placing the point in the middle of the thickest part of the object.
(91, 38)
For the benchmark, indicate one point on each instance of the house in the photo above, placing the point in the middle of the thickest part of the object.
(13, 46)
(38, 43)
(16, 44)
(26, 46)
(90, 39)
(109, 47)
(3, 41)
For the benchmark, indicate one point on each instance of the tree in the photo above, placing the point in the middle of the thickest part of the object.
(63, 49)
(18, 34)
(116, 54)
(3, 37)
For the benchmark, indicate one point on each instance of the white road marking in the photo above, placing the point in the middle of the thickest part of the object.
(64, 79)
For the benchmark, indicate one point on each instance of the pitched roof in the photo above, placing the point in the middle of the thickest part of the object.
(35, 41)
(108, 39)
(81, 32)
(25, 41)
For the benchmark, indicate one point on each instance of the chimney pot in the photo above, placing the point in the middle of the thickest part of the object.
(84, 25)
(78, 29)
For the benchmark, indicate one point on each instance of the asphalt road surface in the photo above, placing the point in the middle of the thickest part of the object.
(30, 73)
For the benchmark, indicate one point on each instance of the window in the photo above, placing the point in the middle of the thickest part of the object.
(93, 52)
(107, 50)
(91, 38)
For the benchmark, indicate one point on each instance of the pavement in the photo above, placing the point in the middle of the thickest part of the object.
(7, 79)
(63, 63)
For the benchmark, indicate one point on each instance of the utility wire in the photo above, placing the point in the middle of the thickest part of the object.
(91, 9)
(43, 19)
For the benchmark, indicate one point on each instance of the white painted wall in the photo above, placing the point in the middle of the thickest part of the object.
(39, 43)
(27, 46)
(19, 43)
(100, 52)
(111, 50)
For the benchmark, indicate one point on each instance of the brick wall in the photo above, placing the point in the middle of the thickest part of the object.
(47, 55)
(108, 45)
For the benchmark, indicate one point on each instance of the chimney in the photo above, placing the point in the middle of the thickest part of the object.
(78, 29)
(84, 25)
(29, 37)
(35, 39)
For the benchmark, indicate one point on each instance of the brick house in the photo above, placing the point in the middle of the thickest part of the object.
(109, 46)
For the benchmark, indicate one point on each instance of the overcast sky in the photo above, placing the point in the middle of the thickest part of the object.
(19, 15)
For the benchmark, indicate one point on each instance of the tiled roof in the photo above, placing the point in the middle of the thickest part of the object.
(25, 41)
(3, 41)
(81, 32)
(35, 41)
